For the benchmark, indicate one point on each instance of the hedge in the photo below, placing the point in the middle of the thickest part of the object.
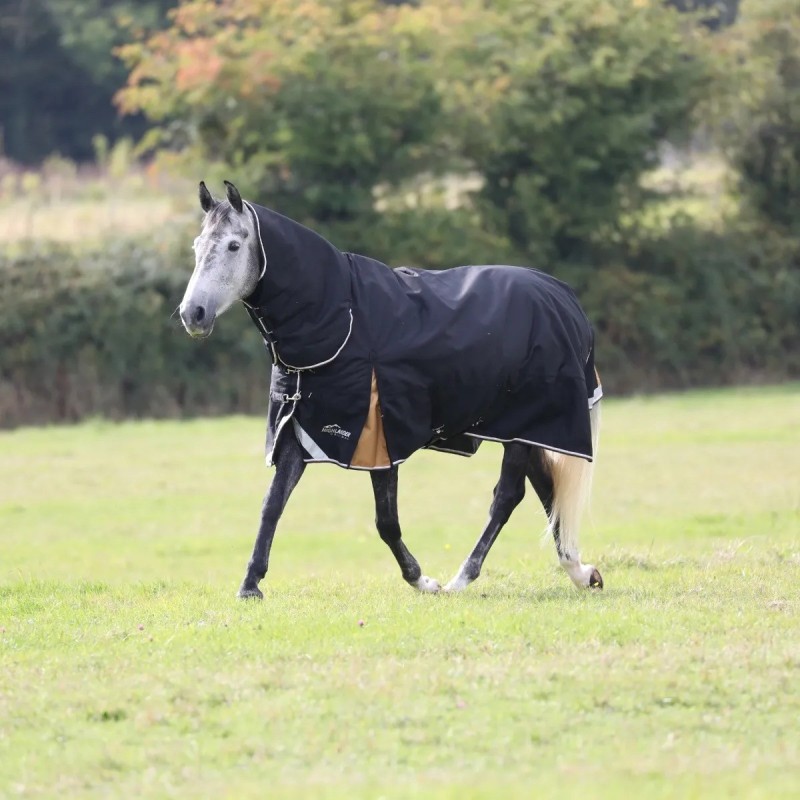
(94, 334)
(697, 308)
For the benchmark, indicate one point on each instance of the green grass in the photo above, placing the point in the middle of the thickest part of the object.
(128, 669)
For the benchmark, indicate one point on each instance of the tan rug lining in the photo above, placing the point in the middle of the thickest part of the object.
(371, 451)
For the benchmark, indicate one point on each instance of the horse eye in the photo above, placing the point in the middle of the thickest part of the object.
(233, 246)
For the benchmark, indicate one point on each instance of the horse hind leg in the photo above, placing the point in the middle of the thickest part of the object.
(508, 495)
(563, 484)
(572, 483)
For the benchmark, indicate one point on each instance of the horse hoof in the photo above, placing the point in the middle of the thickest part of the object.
(426, 584)
(595, 580)
(250, 593)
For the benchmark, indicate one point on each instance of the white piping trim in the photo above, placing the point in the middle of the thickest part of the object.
(535, 444)
(275, 354)
(327, 361)
(348, 466)
(446, 450)
(260, 242)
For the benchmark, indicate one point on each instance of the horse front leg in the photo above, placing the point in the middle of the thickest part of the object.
(384, 487)
(508, 495)
(289, 467)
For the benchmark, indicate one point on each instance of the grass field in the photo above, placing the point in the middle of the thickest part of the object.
(128, 669)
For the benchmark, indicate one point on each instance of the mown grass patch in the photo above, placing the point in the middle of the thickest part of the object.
(127, 668)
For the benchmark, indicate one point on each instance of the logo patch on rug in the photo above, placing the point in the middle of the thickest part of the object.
(335, 430)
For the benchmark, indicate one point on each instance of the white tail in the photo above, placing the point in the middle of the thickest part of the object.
(572, 488)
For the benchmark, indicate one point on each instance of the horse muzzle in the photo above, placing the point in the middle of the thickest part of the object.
(198, 320)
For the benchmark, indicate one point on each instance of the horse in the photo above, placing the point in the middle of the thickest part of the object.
(370, 364)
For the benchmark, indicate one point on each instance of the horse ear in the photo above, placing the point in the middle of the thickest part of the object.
(234, 198)
(207, 202)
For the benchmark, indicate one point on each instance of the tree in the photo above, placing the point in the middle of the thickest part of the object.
(759, 109)
(558, 105)
(561, 107)
(58, 73)
(313, 103)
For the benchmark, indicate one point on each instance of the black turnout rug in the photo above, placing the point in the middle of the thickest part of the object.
(472, 353)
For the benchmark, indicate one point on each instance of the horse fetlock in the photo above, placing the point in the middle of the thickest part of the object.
(426, 584)
(466, 575)
(412, 574)
(584, 576)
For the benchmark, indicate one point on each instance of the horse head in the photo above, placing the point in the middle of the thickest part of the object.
(226, 261)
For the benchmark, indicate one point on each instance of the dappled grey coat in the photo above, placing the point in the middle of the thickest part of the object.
(471, 353)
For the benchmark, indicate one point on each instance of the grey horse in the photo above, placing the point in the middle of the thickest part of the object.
(543, 405)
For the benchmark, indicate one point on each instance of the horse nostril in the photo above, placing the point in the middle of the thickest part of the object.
(199, 314)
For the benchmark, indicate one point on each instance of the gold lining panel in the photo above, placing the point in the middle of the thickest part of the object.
(371, 451)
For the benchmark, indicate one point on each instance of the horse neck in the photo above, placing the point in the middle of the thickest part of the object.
(303, 295)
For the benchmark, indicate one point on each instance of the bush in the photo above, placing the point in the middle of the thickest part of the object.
(696, 308)
(430, 238)
(317, 106)
(92, 334)
(561, 107)
(760, 61)
(313, 104)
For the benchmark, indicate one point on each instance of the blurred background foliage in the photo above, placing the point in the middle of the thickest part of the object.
(58, 73)
(647, 152)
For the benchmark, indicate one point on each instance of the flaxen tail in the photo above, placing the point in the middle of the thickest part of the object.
(572, 488)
